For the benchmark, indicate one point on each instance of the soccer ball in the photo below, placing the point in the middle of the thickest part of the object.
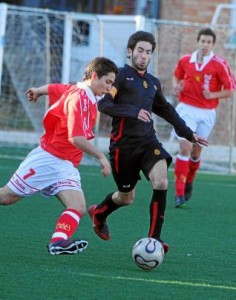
(148, 253)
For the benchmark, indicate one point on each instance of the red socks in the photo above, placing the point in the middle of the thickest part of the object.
(193, 167)
(181, 172)
(66, 225)
(185, 172)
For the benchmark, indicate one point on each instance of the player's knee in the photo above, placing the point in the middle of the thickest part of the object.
(160, 184)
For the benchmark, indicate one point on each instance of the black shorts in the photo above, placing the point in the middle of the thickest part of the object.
(127, 163)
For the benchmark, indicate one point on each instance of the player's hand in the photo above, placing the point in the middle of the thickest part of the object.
(199, 141)
(207, 94)
(144, 115)
(32, 94)
(178, 88)
(105, 166)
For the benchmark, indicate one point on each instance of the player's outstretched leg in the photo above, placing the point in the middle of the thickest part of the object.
(67, 247)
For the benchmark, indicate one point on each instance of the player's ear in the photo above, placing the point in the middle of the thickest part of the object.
(129, 52)
(94, 76)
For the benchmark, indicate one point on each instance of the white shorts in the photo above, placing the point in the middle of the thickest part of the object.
(45, 173)
(200, 120)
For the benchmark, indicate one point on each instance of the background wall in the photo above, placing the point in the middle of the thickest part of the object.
(189, 10)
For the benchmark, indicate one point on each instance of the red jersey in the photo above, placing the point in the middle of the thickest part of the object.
(213, 75)
(72, 112)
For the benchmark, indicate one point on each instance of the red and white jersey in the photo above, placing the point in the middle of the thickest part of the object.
(72, 112)
(213, 75)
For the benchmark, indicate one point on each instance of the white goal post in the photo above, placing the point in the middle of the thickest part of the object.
(3, 17)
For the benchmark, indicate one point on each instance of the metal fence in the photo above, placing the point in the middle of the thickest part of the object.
(42, 46)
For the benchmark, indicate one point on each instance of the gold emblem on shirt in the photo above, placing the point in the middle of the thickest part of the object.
(113, 92)
(145, 84)
(198, 78)
(157, 151)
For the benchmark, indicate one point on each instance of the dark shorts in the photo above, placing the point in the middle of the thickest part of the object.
(127, 163)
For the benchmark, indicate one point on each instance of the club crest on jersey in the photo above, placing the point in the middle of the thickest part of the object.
(198, 78)
(145, 84)
(157, 152)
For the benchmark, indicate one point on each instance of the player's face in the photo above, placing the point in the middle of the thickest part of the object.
(141, 55)
(205, 44)
(103, 85)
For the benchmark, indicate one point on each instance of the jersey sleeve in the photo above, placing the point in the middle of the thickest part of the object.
(108, 104)
(79, 115)
(179, 69)
(227, 78)
(55, 91)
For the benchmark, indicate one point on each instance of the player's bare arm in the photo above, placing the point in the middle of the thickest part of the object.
(220, 94)
(34, 93)
(83, 144)
(177, 85)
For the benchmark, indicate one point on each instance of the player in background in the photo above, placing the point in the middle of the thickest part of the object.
(200, 80)
(134, 146)
(51, 168)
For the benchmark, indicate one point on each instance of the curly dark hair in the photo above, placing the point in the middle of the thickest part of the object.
(139, 36)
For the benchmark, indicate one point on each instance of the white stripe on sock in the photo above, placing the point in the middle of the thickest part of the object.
(182, 157)
(72, 214)
(60, 235)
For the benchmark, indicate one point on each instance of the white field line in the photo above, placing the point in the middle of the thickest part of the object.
(155, 281)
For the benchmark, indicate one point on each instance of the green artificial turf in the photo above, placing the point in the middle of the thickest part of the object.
(201, 263)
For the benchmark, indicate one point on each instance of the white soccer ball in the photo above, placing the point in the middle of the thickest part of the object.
(148, 253)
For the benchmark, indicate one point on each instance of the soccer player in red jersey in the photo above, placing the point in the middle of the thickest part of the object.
(51, 168)
(200, 80)
(134, 146)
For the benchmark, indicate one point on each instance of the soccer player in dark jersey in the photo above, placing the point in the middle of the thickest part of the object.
(134, 146)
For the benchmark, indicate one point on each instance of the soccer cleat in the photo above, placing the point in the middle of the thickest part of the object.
(99, 226)
(165, 246)
(179, 201)
(67, 247)
(188, 191)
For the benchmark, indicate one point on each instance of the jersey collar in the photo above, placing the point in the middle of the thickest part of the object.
(206, 60)
(90, 94)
